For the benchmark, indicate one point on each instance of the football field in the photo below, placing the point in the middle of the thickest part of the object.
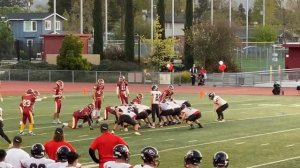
(260, 131)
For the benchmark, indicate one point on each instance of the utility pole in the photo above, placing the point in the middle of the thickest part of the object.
(230, 13)
(106, 23)
(173, 13)
(81, 17)
(212, 12)
(54, 19)
(152, 21)
(264, 12)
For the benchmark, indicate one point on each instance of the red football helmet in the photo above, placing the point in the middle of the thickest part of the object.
(122, 78)
(100, 81)
(36, 93)
(171, 87)
(140, 96)
(30, 91)
(60, 83)
(91, 106)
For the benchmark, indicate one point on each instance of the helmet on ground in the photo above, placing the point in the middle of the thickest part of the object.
(193, 157)
(30, 91)
(60, 83)
(121, 152)
(211, 95)
(150, 155)
(100, 81)
(140, 96)
(221, 159)
(154, 88)
(171, 87)
(62, 153)
(38, 150)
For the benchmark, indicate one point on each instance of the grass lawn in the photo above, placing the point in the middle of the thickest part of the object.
(259, 130)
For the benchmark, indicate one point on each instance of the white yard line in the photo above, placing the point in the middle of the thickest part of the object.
(193, 141)
(278, 161)
(265, 144)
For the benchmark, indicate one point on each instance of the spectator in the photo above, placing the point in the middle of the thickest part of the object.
(121, 153)
(220, 160)
(202, 76)
(16, 154)
(220, 105)
(2, 157)
(105, 144)
(2, 134)
(52, 146)
(192, 159)
(193, 72)
(73, 160)
(150, 158)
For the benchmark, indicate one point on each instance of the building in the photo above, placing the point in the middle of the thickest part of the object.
(292, 59)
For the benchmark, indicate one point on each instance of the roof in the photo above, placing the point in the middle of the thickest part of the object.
(292, 45)
(31, 16)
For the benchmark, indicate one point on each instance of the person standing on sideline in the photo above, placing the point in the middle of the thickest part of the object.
(53, 145)
(16, 154)
(155, 98)
(104, 144)
(4, 164)
(220, 105)
(202, 76)
(58, 91)
(193, 72)
(2, 134)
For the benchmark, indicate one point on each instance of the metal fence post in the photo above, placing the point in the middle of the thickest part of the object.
(72, 76)
(49, 76)
(96, 76)
(9, 75)
(28, 75)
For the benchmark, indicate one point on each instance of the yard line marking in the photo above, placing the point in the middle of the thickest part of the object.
(246, 104)
(83, 135)
(169, 140)
(290, 145)
(278, 161)
(264, 144)
(193, 141)
(240, 143)
(43, 133)
(146, 139)
(270, 105)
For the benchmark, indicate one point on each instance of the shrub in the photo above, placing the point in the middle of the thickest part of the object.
(182, 77)
(117, 65)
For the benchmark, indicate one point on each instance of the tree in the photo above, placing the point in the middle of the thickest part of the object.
(213, 43)
(61, 6)
(12, 3)
(129, 31)
(272, 12)
(188, 49)
(200, 11)
(98, 28)
(161, 15)
(14, 9)
(6, 41)
(264, 34)
(70, 57)
(162, 49)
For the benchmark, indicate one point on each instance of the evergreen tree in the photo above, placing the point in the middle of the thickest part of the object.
(188, 48)
(98, 28)
(129, 31)
(6, 41)
(61, 6)
(161, 16)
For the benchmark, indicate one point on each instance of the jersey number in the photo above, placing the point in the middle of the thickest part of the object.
(33, 165)
(157, 97)
(26, 103)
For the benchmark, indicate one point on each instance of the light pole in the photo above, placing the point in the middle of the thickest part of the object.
(264, 12)
(54, 19)
(152, 6)
(139, 48)
(212, 12)
(230, 13)
(81, 17)
(106, 13)
(247, 25)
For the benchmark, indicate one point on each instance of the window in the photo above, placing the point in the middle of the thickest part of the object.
(57, 25)
(48, 25)
(29, 42)
(30, 26)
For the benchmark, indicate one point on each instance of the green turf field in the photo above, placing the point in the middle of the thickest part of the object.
(259, 130)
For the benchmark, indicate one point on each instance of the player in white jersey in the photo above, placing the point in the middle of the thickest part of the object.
(166, 113)
(191, 115)
(37, 157)
(4, 164)
(62, 158)
(150, 158)
(126, 115)
(176, 111)
(155, 98)
(181, 102)
(220, 105)
(16, 154)
(143, 112)
(121, 153)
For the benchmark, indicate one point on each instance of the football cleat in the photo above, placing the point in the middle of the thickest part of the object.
(112, 131)
(137, 133)
(31, 133)
(126, 129)
(22, 133)
(91, 128)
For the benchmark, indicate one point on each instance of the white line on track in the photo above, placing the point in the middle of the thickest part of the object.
(278, 161)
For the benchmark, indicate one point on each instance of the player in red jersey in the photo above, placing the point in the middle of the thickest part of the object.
(58, 90)
(26, 107)
(167, 94)
(98, 98)
(122, 90)
(84, 114)
(138, 98)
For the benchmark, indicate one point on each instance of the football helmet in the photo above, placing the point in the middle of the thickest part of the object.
(62, 153)
(60, 83)
(91, 106)
(171, 87)
(140, 96)
(154, 88)
(211, 95)
(122, 78)
(36, 93)
(221, 159)
(100, 81)
(121, 152)
(29, 91)
(150, 155)
(38, 150)
(193, 157)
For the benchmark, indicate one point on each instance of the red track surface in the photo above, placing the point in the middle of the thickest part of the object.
(18, 88)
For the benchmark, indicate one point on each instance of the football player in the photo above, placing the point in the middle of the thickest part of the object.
(58, 95)
(166, 113)
(122, 90)
(83, 114)
(192, 159)
(121, 153)
(138, 98)
(150, 158)
(37, 158)
(126, 115)
(62, 159)
(26, 107)
(191, 115)
(220, 105)
(98, 98)
(220, 160)
(155, 99)
(2, 134)
(143, 112)
(167, 94)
